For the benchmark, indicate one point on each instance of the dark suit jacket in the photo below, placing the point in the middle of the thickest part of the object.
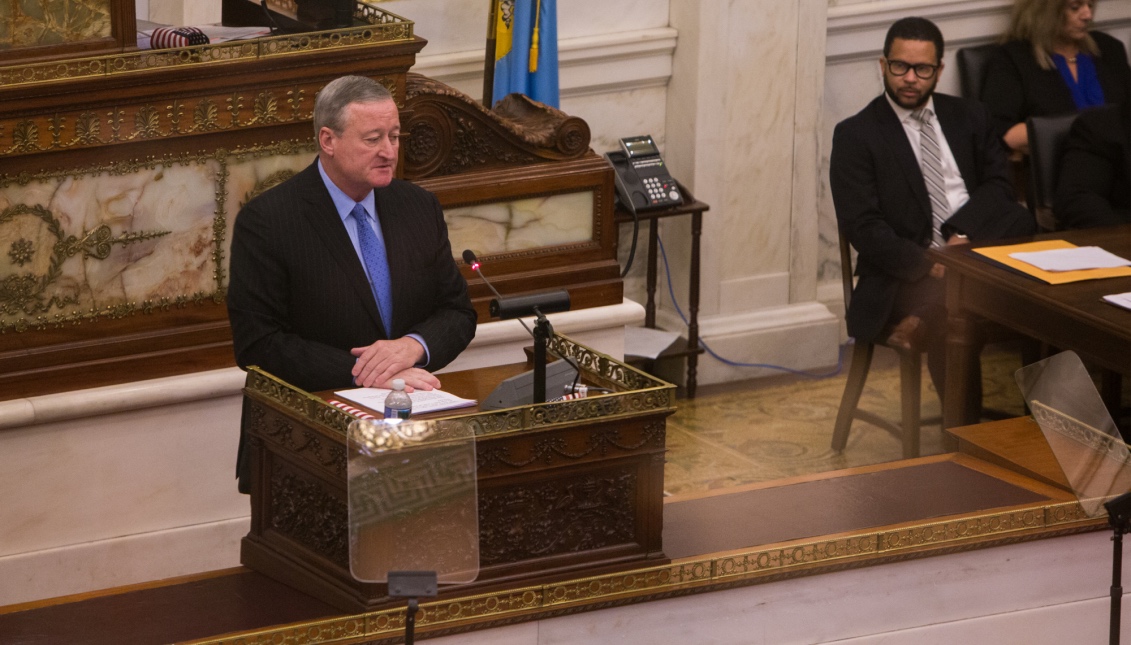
(882, 204)
(1094, 185)
(1016, 88)
(299, 300)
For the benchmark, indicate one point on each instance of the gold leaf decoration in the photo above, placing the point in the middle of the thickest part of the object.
(205, 117)
(147, 122)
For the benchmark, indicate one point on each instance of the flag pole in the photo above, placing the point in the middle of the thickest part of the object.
(489, 62)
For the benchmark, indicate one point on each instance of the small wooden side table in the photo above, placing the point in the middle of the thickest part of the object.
(695, 209)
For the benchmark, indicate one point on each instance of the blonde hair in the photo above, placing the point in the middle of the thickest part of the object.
(1039, 23)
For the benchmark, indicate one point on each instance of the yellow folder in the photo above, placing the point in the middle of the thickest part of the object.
(1001, 254)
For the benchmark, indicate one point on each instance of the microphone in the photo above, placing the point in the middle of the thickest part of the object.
(518, 306)
(473, 262)
(528, 386)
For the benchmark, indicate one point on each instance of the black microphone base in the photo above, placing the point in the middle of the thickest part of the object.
(547, 302)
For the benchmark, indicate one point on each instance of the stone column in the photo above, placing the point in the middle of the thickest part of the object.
(742, 133)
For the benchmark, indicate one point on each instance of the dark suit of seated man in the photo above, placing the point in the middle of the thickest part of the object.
(1094, 184)
(343, 276)
(912, 170)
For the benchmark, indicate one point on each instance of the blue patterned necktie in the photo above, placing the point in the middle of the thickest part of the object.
(376, 265)
(930, 163)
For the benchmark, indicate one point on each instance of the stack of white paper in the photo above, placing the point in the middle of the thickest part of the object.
(1075, 259)
(422, 401)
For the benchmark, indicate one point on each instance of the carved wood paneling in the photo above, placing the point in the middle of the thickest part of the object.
(562, 515)
(304, 511)
(551, 497)
(451, 133)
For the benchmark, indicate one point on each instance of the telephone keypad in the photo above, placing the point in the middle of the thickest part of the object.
(661, 191)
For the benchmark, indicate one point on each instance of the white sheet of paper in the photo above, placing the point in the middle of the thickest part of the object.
(1074, 259)
(647, 343)
(1120, 299)
(422, 401)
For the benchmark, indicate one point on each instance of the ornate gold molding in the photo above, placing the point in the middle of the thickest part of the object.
(693, 575)
(643, 393)
(382, 27)
(181, 117)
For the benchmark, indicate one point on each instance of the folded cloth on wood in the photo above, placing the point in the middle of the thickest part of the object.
(166, 37)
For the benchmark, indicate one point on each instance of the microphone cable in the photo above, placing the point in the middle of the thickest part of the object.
(725, 361)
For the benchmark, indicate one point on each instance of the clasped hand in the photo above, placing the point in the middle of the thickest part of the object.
(378, 364)
(938, 270)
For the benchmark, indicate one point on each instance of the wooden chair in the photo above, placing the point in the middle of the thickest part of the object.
(910, 380)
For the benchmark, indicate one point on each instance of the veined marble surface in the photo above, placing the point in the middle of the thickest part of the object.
(26, 22)
(91, 242)
(522, 224)
(247, 178)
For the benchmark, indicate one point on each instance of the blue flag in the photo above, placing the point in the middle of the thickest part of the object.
(526, 49)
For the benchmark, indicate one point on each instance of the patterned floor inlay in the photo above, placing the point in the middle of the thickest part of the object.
(730, 436)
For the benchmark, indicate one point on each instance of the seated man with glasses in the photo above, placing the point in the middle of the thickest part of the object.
(914, 170)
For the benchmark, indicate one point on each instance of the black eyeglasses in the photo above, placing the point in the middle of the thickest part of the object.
(922, 70)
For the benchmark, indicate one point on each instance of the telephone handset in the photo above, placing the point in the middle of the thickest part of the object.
(643, 181)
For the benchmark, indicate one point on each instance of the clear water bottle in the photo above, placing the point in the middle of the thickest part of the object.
(398, 405)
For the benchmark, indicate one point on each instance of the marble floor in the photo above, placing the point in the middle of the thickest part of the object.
(742, 433)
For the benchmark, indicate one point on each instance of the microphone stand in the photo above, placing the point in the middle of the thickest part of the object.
(1119, 517)
(542, 333)
(412, 585)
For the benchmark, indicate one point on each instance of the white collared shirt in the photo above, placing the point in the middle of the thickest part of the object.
(956, 194)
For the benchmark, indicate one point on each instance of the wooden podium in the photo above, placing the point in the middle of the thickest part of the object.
(562, 486)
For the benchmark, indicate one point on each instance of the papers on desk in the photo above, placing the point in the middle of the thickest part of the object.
(1007, 255)
(1120, 300)
(422, 401)
(1075, 259)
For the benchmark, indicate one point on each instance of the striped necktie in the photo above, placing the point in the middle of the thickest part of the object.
(376, 265)
(930, 163)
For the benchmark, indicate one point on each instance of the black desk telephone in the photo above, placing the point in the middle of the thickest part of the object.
(643, 181)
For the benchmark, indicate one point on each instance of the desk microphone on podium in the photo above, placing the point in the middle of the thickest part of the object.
(547, 302)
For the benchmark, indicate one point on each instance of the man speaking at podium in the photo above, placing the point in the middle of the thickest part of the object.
(343, 276)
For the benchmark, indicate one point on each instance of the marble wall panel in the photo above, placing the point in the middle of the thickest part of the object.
(762, 42)
(614, 115)
(254, 173)
(82, 244)
(101, 242)
(26, 23)
(522, 224)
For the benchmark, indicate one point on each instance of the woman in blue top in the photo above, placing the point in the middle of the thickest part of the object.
(1051, 63)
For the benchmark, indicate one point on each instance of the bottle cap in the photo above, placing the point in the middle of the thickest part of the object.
(398, 384)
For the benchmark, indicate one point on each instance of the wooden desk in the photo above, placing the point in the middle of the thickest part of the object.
(562, 487)
(1068, 316)
(695, 209)
(1016, 444)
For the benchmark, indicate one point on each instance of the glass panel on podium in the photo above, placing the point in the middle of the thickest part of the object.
(1072, 416)
(412, 500)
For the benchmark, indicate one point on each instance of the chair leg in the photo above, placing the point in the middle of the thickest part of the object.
(910, 376)
(853, 388)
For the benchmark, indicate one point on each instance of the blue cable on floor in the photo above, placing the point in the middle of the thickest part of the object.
(780, 368)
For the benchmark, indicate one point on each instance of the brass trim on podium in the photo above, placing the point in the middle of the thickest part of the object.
(639, 393)
(563, 487)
